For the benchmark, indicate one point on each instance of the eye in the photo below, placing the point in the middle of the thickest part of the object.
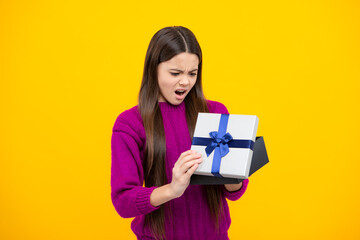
(174, 74)
(193, 74)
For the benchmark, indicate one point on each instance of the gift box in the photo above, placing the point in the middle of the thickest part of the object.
(226, 143)
(259, 159)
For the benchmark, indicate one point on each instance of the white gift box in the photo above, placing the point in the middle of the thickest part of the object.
(234, 162)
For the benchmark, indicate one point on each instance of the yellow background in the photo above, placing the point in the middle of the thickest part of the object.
(69, 68)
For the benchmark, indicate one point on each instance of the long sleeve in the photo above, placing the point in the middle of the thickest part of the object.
(128, 195)
(190, 211)
(233, 196)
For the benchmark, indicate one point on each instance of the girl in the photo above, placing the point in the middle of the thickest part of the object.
(151, 160)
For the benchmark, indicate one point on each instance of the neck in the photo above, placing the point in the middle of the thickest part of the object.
(166, 106)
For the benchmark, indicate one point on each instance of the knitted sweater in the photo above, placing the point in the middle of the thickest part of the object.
(191, 217)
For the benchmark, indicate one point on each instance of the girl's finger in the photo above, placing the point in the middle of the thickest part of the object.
(185, 167)
(189, 158)
(192, 170)
(182, 155)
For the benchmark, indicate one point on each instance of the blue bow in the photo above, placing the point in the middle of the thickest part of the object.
(220, 142)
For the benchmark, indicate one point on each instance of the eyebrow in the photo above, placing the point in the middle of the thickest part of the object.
(182, 71)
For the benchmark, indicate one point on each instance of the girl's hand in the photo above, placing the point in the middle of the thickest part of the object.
(184, 167)
(233, 187)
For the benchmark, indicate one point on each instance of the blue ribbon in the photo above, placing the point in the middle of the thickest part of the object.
(220, 141)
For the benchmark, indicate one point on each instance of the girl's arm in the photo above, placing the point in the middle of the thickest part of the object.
(161, 195)
(235, 195)
(129, 197)
(184, 167)
(233, 187)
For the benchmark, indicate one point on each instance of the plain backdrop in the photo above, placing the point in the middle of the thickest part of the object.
(69, 68)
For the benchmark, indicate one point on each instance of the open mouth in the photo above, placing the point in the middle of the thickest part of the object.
(180, 92)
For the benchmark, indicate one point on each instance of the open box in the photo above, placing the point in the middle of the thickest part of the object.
(259, 159)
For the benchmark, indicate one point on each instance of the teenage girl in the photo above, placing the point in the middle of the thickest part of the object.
(151, 161)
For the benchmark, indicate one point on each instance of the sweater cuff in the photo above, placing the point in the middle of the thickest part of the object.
(237, 194)
(143, 200)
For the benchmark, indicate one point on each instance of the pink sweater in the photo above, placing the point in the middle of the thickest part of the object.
(191, 215)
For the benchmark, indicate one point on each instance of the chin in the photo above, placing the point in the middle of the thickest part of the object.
(176, 102)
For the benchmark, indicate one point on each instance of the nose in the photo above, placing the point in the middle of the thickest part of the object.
(184, 81)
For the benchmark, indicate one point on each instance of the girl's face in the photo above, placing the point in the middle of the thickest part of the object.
(177, 76)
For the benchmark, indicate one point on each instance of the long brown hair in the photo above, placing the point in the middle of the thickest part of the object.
(165, 44)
